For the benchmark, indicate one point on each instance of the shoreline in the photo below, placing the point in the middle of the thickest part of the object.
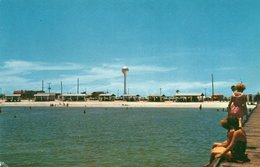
(119, 104)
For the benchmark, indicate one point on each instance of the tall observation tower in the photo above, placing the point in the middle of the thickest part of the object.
(125, 71)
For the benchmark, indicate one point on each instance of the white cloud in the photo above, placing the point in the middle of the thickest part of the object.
(134, 68)
(98, 78)
(146, 68)
(153, 87)
(13, 73)
(19, 66)
(148, 87)
(227, 68)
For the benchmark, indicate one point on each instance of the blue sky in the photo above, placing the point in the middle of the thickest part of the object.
(167, 44)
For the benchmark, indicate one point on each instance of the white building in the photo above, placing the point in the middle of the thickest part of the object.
(44, 97)
(73, 97)
(188, 97)
(12, 97)
(106, 97)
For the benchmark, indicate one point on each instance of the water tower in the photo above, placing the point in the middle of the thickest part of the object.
(125, 71)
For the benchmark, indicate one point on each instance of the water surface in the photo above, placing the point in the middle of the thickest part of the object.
(50, 136)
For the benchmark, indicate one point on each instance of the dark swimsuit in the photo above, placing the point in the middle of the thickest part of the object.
(239, 150)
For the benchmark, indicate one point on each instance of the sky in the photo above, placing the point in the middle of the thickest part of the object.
(167, 45)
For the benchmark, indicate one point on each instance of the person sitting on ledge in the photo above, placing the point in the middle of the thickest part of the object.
(235, 151)
(224, 124)
(219, 147)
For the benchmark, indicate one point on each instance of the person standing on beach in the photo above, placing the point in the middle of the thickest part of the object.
(237, 105)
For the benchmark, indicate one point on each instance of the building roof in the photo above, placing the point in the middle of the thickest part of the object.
(218, 95)
(188, 94)
(128, 95)
(76, 95)
(43, 94)
(13, 95)
(105, 95)
(155, 95)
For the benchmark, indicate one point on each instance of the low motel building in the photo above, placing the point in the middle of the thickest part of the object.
(253, 98)
(128, 97)
(106, 97)
(188, 97)
(44, 97)
(12, 97)
(73, 97)
(156, 98)
(218, 97)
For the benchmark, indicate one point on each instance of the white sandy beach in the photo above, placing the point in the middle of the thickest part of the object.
(116, 104)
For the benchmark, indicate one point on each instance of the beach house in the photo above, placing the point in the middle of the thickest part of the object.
(218, 97)
(156, 98)
(12, 97)
(73, 97)
(44, 97)
(129, 97)
(106, 97)
(188, 97)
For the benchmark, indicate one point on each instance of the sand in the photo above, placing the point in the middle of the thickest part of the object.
(116, 104)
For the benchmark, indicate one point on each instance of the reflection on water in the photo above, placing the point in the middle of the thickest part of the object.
(107, 137)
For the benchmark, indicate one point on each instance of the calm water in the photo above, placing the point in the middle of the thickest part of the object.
(107, 137)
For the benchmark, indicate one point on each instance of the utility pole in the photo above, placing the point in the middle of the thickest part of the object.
(212, 80)
(61, 87)
(49, 87)
(42, 85)
(78, 87)
(1, 96)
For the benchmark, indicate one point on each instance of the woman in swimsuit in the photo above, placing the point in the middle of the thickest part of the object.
(224, 124)
(219, 147)
(235, 150)
(237, 105)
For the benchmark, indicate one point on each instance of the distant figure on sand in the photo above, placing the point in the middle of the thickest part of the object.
(237, 105)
